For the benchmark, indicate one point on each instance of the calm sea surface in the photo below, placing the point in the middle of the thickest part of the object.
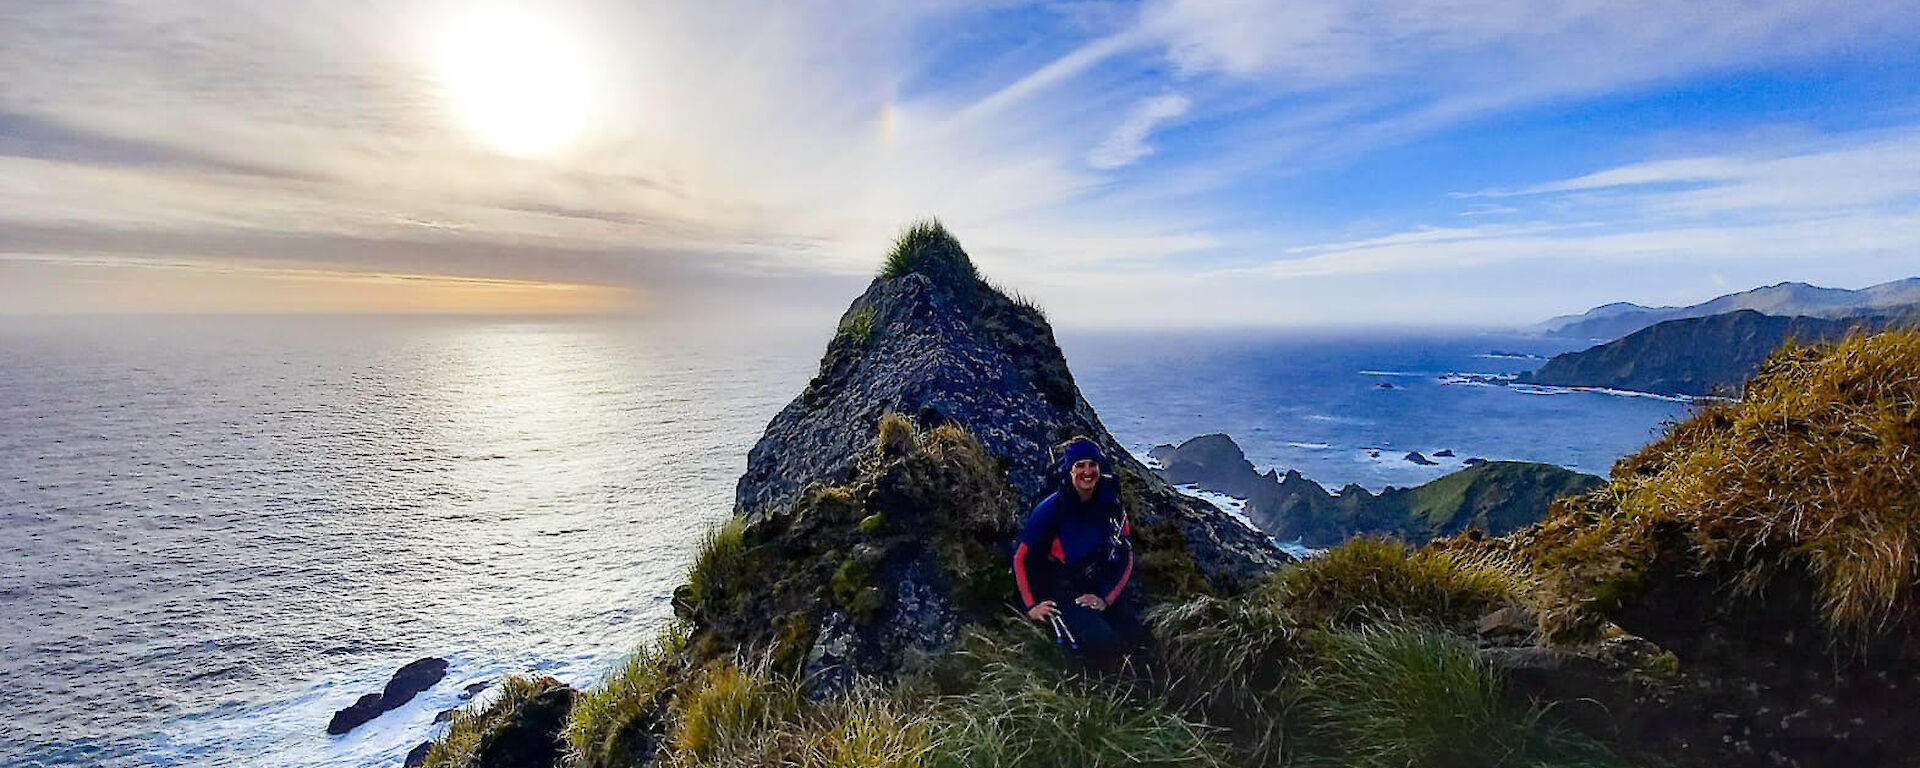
(217, 531)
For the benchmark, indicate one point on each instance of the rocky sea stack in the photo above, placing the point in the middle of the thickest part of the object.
(932, 341)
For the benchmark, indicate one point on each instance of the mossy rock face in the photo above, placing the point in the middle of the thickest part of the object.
(899, 551)
(525, 728)
(1166, 567)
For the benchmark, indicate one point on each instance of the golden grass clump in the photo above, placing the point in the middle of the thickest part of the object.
(733, 715)
(1369, 579)
(1817, 467)
(601, 729)
(895, 436)
(719, 554)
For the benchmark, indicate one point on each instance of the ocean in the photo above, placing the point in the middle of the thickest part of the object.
(219, 530)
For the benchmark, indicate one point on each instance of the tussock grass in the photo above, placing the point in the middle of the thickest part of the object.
(1019, 716)
(605, 724)
(1232, 661)
(1390, 697)
(1018, 300)
(895, 437)
(727, 709)
(467, 734)
(857, 326)
(1277, 668)
(720, 553)
(733, 715)
(1816, 469)
(1371, 579)
(947, 465)
(926, 244)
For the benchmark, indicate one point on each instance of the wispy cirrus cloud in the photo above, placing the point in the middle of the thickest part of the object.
(1128, 142)
(795, 138)
(1815, 207)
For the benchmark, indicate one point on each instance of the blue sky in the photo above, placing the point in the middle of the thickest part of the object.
(1172, 162)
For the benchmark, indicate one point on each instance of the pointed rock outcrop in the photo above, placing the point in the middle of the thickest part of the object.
(930, 339)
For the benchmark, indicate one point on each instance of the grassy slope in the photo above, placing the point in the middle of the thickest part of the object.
(1356, 658)
(1812, 473)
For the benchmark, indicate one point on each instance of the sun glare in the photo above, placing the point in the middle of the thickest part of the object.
(514, 79)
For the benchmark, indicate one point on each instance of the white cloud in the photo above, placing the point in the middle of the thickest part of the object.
(1836, 203)
(1582, 43)
(801, 135)
(1128, 142)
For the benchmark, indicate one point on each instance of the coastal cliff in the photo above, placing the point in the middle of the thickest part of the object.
(1492, 497)
(1742, 593)
(1697, 356)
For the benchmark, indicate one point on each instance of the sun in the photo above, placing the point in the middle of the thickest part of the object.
(513, 79)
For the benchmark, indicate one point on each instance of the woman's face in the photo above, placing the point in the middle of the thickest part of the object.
(1086, 475)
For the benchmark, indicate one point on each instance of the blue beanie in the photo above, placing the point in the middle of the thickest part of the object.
(1079, 450)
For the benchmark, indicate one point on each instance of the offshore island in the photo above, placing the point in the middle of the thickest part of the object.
(1741, 592)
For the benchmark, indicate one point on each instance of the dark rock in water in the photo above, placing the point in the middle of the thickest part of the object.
(411, 679)
(406, 683)
(366, 708)
(471, 689)
(1416, 458)
(1386, 385)
(444, 715)
(418, 755)
(1447, 453)
(1474, 461)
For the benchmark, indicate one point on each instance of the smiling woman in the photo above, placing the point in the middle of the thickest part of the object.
(513, 78)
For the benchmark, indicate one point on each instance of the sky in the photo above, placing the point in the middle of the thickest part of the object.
(1165, 163)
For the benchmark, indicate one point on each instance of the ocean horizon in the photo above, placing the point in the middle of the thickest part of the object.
(225, 529)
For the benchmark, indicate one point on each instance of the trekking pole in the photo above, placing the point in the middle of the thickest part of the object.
(1061, 634)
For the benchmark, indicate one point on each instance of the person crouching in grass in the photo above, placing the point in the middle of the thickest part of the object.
(1074, 558)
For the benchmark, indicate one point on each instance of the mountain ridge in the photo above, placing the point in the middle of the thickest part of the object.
(1700, 356)
(1619, 319)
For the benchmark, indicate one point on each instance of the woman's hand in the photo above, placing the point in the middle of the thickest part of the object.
(1043, 610)
(1091, 601)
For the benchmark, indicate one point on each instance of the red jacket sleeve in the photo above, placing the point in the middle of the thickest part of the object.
(1120, 583)
(1020, 574)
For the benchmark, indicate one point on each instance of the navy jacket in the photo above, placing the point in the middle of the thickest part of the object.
(1088, 539)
